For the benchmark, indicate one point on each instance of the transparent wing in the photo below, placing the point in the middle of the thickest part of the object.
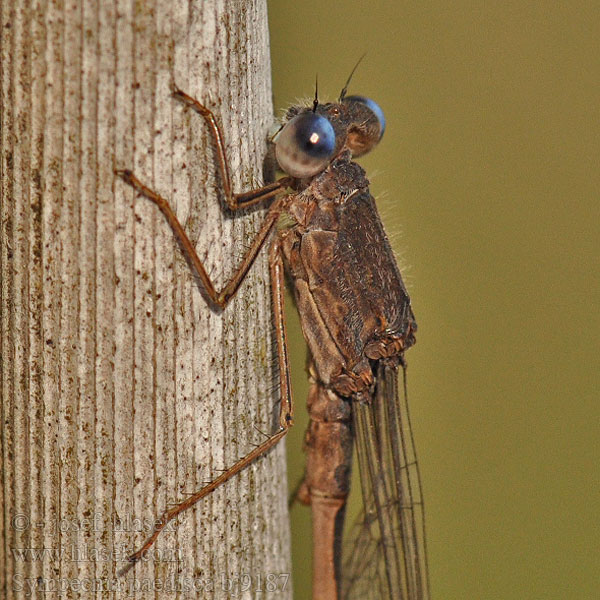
(387, 555)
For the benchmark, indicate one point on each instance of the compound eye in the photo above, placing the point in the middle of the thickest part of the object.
(369, 124)
(374, 107)
(305, 145)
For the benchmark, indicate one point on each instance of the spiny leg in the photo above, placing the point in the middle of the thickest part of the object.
(285, 409)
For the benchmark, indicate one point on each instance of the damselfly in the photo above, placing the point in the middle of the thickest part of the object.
(324, 229)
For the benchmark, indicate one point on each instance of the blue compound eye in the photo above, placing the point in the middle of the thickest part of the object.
(305, 145)
(373, 106)
(366, 126)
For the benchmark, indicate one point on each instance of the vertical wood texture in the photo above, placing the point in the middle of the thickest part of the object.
(121, 391)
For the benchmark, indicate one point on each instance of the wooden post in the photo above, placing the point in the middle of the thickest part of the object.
(121, 391)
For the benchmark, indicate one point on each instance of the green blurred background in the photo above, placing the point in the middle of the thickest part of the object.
(487, 182)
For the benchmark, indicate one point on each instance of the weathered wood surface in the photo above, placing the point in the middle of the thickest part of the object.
(121, 391)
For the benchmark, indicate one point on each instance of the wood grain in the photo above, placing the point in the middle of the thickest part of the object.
(121, 390)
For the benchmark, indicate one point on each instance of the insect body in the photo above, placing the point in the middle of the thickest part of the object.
(357, 321)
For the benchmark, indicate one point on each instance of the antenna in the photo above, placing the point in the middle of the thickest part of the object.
(345, 88)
